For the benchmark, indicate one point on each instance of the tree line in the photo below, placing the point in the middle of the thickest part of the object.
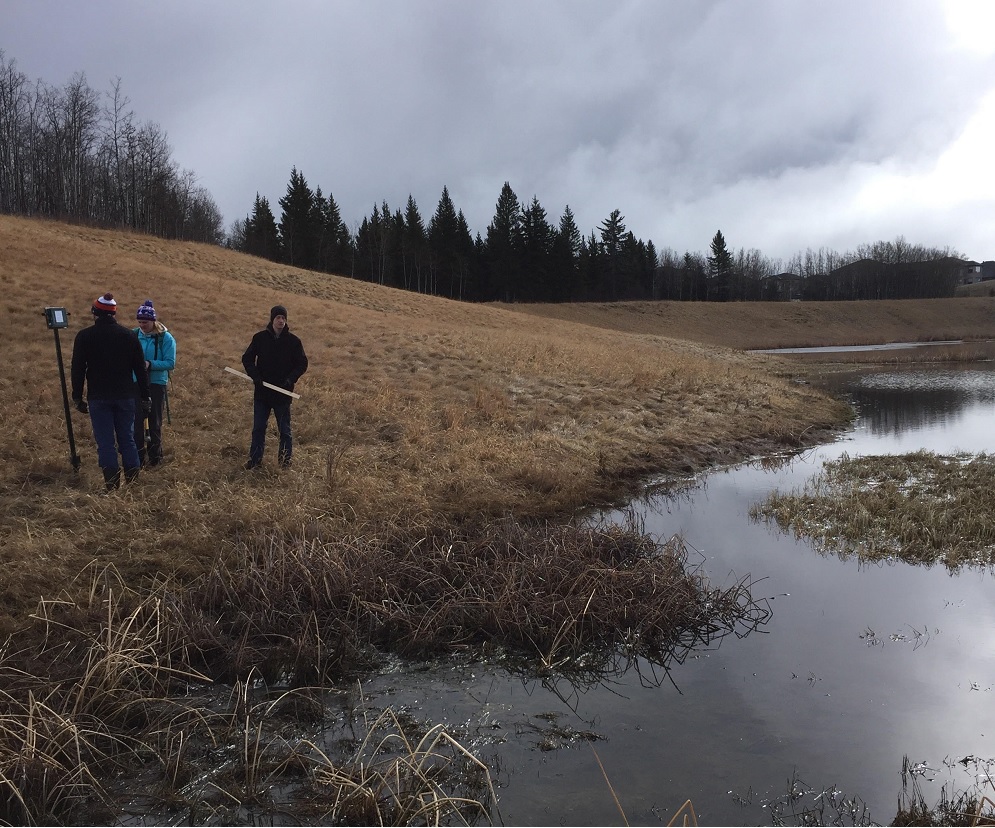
(72, 154)
(524, 257)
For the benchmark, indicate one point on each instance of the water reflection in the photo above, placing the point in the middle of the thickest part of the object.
(855, 349)
(895, 401)
(859, 666)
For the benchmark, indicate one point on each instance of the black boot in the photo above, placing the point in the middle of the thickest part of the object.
(112, 478)
(131, 475)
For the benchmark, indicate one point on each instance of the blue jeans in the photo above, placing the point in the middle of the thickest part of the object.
(260, 418)
(114, 419)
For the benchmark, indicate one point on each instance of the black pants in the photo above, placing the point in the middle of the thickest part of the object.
(151, 452)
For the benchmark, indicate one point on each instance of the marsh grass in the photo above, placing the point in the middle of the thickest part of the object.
(957, 804)
(93, 727)
(802, 804)
(920, 507)
(560, 596)
(114, 695)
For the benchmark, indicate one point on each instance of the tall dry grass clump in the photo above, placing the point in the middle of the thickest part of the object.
(103, 718)
(921, 507)
(564, 598)
(114, 697)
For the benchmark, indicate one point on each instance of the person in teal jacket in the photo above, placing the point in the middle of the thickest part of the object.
(159, 347)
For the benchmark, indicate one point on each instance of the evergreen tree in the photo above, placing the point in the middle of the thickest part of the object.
(612, 231)
(392, 247)
(335, 248)
(444, 246)
(719, 268)
(363, 263)
(466, 261)
(564, 259)
(651, 270)
(261, 235)
(504, 248)
(299, 231)
(537, 248)
(414, 247)
(591, 268)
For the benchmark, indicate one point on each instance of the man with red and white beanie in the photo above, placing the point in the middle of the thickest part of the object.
(107, 359)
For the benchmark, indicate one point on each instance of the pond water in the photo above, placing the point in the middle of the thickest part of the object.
(859, 666)
(844, 349)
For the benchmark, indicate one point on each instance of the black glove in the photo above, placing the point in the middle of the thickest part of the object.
(81, 406)
(146, 406)
(288, 383)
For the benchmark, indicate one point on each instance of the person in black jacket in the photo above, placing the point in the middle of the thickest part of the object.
(108, 358)
(275, 356)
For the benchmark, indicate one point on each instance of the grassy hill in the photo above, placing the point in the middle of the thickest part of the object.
(790, 324)
(416, 411)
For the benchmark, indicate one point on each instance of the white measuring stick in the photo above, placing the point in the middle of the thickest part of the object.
(266, 384)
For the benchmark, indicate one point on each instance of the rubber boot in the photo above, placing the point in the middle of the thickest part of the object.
(131, 475)
(112, 478)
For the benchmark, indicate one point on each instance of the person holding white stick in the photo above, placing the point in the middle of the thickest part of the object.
(275, 356)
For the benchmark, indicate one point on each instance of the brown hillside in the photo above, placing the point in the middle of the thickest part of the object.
(415, 410)
(750, 325)
(977, 289)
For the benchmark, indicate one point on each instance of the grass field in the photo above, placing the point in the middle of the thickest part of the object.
(416, 409)
(442, 450)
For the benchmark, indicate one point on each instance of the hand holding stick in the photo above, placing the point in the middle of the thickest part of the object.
(265, 384)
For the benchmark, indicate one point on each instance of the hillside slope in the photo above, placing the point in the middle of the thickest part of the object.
(788, 324)
(416, 410)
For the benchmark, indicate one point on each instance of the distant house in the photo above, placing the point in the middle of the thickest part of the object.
(971, 273)
(975, 272)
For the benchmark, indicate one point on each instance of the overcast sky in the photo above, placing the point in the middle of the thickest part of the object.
(786, 124)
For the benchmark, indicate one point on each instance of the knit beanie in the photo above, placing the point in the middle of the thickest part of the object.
(146, 311)
(104, 305)
(277, 310)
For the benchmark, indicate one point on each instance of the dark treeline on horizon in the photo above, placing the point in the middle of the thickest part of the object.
(524, 257)
(71, 154)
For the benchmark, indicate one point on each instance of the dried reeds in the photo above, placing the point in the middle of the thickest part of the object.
(920, 507)
(563, 596)
(114, 689)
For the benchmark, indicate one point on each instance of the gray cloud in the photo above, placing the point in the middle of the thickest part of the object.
(771, 120)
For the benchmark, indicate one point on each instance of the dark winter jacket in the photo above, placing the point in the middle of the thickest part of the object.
(107, 357)
(278, 360)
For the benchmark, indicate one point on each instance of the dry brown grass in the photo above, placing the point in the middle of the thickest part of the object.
(111, 705)
(921, 507)
(415, 408)
(751, 325)
(94, 728)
